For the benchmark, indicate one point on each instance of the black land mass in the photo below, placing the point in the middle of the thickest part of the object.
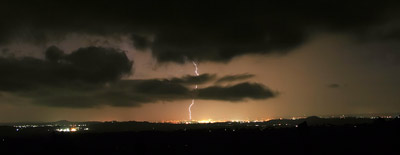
(312, 135)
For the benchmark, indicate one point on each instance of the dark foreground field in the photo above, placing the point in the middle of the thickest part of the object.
(375, 138)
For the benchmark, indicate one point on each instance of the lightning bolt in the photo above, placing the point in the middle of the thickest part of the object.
(195, 88)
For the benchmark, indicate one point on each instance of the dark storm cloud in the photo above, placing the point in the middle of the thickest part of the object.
(140, 42)
(199, 30)
(124, 93)
(230, 78)
(132, 93)
(236, 92)
(191, 79)
(54, 54)
(91, 77)
(86, 65)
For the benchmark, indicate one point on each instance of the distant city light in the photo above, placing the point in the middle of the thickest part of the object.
(71, 129)
(206, 121)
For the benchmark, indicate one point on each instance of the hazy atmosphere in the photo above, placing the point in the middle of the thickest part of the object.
(105, 60)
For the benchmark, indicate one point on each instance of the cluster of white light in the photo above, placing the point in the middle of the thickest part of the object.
(64, 130)
(206, 121)
(73, 129)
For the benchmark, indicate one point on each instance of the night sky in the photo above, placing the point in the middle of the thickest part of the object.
(133, 60)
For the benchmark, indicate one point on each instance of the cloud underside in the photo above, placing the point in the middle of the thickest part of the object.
(237, 77)
(132, 93)
(91, 77)
(176, 31)
(91, 65)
